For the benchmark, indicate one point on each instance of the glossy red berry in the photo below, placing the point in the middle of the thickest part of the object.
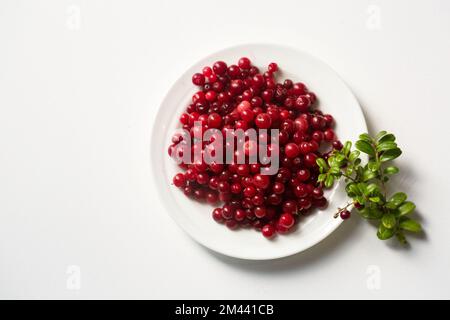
(244, 63)
(329, 135)
(233, 71)
(273, 67)
(231, 224)
(337, 145)
(249, 191)
(303, 175)
(300, 190)
(236, 188)
(207, 71)
(260, 212)
(179, 180)
(258, 199)
(298, 89)
(290, 206)
(202, 178)
(358, 205)
(227, 212)
(317, 193)
(212, 197)
(310, 160)
(211, 95)
(278, 188)
(345, 214)
(291, 150)
(267, 95)
(220, 68)
(212, 78)
(223, 186)
(304, 203)
(199, 194)
(243, 170)
(198, 79)
(214, 120)
(261, 181)
(184, 118)
(301, 124)
(239, 214)
(263, 121)
(318, 122)
(302, 103)
(329, 120)
(247, 114)
(286, 220)
(217, 215)
(268, 231)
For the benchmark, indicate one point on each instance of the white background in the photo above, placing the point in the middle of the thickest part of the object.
(80, 84)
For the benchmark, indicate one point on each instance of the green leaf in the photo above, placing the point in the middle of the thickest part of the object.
(410, 225)
(406, 208)
(387, 145)
(396, 200)
(349, 171)
(360, 199)
(331, 161)
(384, 233)
(365, 137)
(354, 155)
(388, 137)
(373, 189)
(321, 177)
(322, 163)
(366, 213)
(362, 188)
(388, 220)
(401, 237)
(368, 174)
(351, 188)
(391, 170)
(390, 154)
(375, 212)
(335, 170)
(346, 148)
(329, 181)
(340, 158)
(375, 199)
(359, 172)
(365, 147)
(371, 213)
(380, 134)
(373, 166)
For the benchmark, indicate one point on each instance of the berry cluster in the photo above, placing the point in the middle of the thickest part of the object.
(241, 97)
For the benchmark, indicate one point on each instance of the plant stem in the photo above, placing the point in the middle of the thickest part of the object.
(380, 172)
(381, 179)
(342, 209)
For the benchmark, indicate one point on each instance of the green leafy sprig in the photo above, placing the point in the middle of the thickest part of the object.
(366, 183)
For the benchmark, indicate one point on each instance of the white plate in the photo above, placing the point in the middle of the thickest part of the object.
(195, 218)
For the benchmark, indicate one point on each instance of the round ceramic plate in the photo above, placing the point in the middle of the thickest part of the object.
(195, 218)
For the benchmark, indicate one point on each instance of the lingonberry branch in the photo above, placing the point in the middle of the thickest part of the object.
(366, 184)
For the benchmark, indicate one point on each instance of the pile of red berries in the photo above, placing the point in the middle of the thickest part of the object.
(241, 97)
